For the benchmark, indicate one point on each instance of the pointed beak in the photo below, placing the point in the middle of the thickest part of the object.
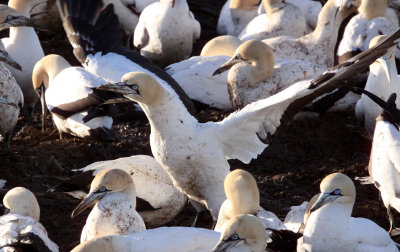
(90, 200)
(40, 92)
(385, 63)
(14, 21)
(228, 65)
(223, 245)
(119, 88)
(5, 57)
(322, 200)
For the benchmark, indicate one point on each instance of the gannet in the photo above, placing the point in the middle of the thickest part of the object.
(95, 36)
(374, 18)
(153, 186)
(70, 95)
(244, 233)
(195, 154)
(166, 32)
(243, 197)
(21, 225)
(221, 45)
(281, 19)
(330, 226)
(235, 15)
(138, 5)
(383, 168)
(20, 39)
(317, 47)
(113, 195)
(127, 18)
(383, 80)
(254, 75)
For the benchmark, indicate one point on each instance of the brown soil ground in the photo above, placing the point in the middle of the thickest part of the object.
(288, 172)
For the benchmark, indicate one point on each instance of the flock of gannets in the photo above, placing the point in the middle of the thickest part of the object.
(267, 85)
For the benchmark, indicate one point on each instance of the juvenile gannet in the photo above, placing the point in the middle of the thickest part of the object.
(254, 75)
(94, 34)
(113, 195)
(70, 95)
(374, 18)
(383, 80)
(195, 154)
(16, 45)
(383, 168)
(21, 224)
(317, 47)
(245, 233)
(166, 32)
(153, 185)
(126, 17)
(243, 197)
(330, 226)
(235, 15)
(221, 45)
(281, 19)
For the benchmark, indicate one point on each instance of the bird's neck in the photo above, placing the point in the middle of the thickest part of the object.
(329, 216)
(128, 196)
(20, 7)
(373, 8)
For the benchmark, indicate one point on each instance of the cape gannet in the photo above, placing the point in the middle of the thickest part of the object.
(383, 168)
(95, 36)
(317, 47)
(196, 157)
(235, 15)
(70, 95)
(21, 225)
(281, 19)
(243, 197)
(23, 37)
(244, 233)
(254, 75)
(330, 226)
(113, 195)
(157, 200)
(166, 32)
(221, 45)
(126, 16)
(374, 18)
(383, 80)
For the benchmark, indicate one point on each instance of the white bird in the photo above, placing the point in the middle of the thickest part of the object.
(107, 58)
(195, 154)
(127, 18)
(243, 197)
(138, 5)
(317, 47)
(20, 39)
(113, 195)
(383, 80)
(221, 45)
(21, 225)
(153, 187)
(244, 233)
(166, 32)
(281, 19)
(254, 75)
(330, 226)
(235, 15)
(374, 18)
(70, 95)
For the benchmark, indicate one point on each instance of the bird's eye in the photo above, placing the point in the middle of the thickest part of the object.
(102, 189)
(135, 87)
(336, 192)
(235, 237)
(9, 17)
(238, 56)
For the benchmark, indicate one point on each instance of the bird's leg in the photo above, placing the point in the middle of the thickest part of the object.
(198, 213)
(61, 135)
(214, 223)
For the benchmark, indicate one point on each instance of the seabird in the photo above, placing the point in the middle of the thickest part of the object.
(330, 226)
(195, 154)
(235, 15)
(317, 47)
(383, 80)
(21, 38)
(157, 200)
(113, 195)
(20, 227)
(243, 197)
(71, 96)
(126, 16)
(221, 45)
(374, 18)
(93, 31)
(281, 19)
(166, 32)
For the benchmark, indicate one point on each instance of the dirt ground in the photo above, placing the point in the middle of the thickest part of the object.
(288, 172)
